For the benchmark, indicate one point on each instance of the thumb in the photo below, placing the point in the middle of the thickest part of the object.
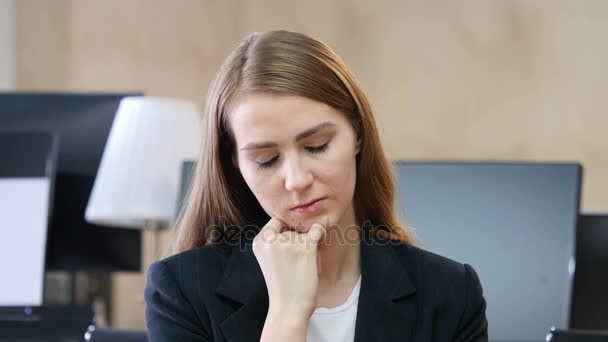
(316, 233)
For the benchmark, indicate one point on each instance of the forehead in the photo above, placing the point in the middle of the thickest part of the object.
(260, 115)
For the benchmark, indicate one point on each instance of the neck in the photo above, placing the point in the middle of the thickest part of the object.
(340, 255)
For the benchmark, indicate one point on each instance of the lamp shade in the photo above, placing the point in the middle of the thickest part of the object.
(138, 178)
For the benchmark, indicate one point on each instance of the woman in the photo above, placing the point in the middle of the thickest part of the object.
(289, 232)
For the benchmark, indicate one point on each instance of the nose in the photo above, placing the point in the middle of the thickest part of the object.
(298, 176)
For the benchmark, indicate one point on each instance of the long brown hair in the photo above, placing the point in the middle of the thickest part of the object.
(286, 63)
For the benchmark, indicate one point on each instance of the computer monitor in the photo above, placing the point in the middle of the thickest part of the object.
(590, 298)
(82, 123)
(188, 170)
(27, 174)
(513, 222)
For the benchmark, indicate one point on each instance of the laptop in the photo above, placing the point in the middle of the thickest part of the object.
(561, 335)
(27, 170)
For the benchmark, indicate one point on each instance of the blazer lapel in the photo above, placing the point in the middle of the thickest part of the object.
(243, 282)
(386, 309)
(387, 306)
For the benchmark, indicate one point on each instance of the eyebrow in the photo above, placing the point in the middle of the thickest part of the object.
(300, 136)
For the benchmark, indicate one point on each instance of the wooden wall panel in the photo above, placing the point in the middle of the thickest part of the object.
(489, 80)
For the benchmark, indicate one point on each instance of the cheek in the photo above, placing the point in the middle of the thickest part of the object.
(263, 188)
(339, 173)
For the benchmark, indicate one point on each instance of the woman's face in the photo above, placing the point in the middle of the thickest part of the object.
(294, 151)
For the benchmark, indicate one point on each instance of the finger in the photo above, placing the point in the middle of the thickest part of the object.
(316, 233)
(273, 226)
(318, 263)
(290, 236)
(269, 232)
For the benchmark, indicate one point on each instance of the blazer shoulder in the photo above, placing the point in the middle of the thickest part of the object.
(431, 265)
(452, 288)
(179, 294)
(195, 273)
(211, 257)
(447, 279)
(193, 266)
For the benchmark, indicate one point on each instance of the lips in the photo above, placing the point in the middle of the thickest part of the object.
(309, 207)
(304, 205)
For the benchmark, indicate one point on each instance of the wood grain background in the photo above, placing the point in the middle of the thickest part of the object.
(475, 80)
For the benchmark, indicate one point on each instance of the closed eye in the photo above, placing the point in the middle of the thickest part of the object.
(267, 164)
(318, 149)
(313, 150)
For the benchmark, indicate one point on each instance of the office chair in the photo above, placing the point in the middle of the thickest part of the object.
(94, 334)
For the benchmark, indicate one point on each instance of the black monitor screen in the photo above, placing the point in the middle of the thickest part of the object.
(513, 222)
(82, 123)
(590, 299)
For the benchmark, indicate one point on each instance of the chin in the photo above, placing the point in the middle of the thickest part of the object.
(302, 224)
(299, 224)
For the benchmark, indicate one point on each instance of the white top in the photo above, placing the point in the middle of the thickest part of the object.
(335, 324)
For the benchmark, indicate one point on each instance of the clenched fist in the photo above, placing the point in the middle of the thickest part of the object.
(290, 264)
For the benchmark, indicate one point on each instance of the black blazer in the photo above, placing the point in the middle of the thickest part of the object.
(218, 293)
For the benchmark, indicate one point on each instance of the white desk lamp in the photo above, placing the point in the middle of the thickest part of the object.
(137, 182)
